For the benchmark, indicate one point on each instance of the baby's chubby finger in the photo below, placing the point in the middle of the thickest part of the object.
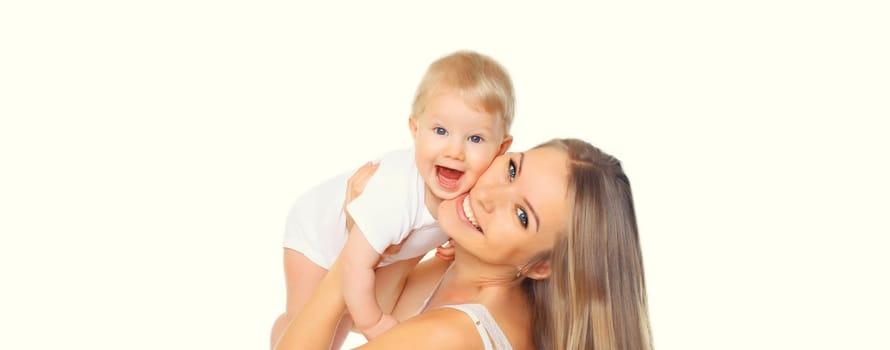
(445, 251)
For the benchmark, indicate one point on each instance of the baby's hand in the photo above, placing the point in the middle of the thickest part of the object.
(386, 322)
(445, 251)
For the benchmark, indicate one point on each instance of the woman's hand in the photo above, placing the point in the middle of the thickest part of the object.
(355, 186)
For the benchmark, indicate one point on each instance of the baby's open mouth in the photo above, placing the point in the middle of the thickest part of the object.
(448, 178)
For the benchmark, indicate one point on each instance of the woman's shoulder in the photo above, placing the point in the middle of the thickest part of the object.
(512, 313)
(441, 328)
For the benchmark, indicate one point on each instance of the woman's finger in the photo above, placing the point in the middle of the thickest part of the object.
(355, 186)
(356, 183)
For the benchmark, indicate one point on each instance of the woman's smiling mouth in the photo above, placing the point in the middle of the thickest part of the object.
(468, 212)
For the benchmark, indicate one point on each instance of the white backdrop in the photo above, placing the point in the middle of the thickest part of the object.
(150, 152)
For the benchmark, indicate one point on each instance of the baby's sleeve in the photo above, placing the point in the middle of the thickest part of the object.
(382, 212)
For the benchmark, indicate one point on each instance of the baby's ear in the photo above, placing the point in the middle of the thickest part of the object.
(540, 271)
(412, 126)
(505, 145)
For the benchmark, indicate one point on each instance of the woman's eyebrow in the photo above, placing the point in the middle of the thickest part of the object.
(521, 158)
(530, 208)
(535, 214)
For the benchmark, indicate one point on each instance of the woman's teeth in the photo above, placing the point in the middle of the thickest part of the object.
(469, 213)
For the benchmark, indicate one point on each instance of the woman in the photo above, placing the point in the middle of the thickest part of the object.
(546, 257)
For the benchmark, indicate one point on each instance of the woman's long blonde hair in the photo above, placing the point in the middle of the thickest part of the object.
(595, 297)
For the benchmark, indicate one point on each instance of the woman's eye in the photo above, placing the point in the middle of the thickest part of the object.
(523, 217)
(475, 139)
(440, 131)
(511, 169)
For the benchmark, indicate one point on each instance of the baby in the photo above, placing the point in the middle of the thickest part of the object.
(460, 122)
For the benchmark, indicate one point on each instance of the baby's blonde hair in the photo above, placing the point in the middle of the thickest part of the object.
(479, 79)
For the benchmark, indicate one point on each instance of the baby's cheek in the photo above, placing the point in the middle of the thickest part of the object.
(479, 165)
(471, 176)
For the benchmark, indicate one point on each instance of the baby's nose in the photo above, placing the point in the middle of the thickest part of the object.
(455, 150)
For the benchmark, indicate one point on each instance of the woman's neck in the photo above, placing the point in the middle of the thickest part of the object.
(471, 280)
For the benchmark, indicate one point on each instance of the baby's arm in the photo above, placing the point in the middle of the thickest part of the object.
(359, 260)
(390, 281)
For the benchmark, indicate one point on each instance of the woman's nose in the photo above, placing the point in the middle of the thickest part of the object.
(490, 197)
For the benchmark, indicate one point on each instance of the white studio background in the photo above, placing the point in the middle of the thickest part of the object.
(151, 150)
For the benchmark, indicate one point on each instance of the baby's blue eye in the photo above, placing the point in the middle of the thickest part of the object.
(440, 131)
(523, 217)
(475, 139)
(511, 169)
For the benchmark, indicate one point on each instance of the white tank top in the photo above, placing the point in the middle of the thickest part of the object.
(493, 337)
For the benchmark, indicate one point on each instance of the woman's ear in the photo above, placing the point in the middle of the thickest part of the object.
(540, 271)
